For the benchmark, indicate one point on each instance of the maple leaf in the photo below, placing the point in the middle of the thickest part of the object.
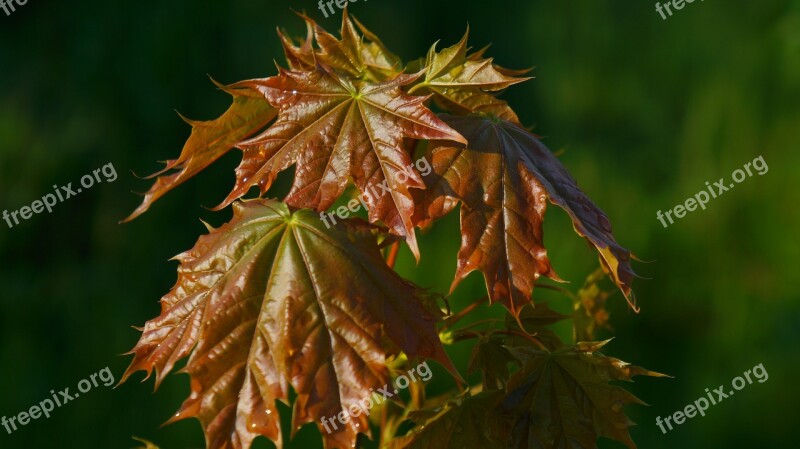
(535, 321)
(460, 423)
(299, 57)
(477, 55)
(211, 139)
(460, 82)
(491, 358)
(563, 399)
(491, 355)
(332, 128)
(353, 55)
(273, 299)
(503, 178)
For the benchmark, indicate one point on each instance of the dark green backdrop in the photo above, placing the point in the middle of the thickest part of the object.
(646, 110)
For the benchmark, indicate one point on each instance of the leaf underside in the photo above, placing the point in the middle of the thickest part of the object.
(503, 179)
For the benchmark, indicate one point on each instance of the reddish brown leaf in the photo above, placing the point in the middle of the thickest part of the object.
(352, 54)
(275, 299)
(302, 57)
(209, 140)
(333, 128)
(464, 101)
(503, 178)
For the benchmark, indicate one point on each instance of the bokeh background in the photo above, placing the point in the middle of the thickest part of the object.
(645, 111)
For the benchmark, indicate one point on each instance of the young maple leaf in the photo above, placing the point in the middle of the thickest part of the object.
(503, 178)
(563, 399)
(211, 139)
(461, 83)
(299, 57)
(491, 359)
(273, 299)
(352, 55)
(333, 128)
(491, 355)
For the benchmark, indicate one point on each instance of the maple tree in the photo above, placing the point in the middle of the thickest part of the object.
(273, 301)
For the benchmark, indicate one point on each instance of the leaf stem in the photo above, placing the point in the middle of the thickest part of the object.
(415, 87)
(392, 257)
(457, 317)
(531, 338)
(478, 323)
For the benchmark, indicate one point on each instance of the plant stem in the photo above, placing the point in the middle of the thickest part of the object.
(457, 317)
(392, 257)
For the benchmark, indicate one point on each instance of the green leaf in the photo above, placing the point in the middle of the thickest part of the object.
(491, 358)
(461, 82)
(535, 321)
(460, 424)
(563, 399)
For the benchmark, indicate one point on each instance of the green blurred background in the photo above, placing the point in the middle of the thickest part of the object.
(646, 111)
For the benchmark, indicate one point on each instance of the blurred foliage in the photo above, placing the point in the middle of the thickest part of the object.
(646, 111)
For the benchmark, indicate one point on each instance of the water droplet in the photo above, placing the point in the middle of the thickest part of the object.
(269, 412)
(253, 426)
(294, 92)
